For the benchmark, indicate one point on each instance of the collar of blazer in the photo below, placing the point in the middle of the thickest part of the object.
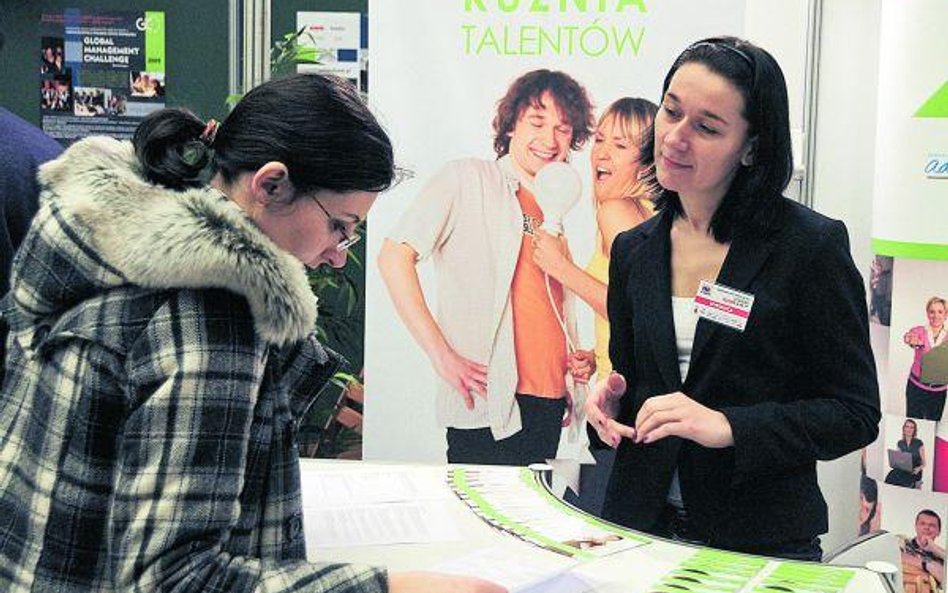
(652, 292)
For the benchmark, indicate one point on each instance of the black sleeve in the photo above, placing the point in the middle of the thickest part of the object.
(837, 409)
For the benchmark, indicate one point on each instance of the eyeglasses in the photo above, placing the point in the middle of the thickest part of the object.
(338, 226)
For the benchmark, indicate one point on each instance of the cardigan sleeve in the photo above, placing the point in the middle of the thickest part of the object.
(837, 408)
(194, 380)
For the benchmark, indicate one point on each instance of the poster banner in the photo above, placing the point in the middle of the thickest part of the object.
(100, 72)
(339, 40)
(904, 486)
(440, 71)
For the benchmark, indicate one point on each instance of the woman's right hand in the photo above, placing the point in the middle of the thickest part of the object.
(432, 582)
(602, 407)
(912, 338)
(463, 375)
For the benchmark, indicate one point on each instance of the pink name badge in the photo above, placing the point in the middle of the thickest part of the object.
(724, 305)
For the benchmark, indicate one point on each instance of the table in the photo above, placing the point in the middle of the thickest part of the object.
(637, 570)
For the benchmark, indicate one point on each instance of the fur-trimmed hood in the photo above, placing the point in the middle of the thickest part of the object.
(115, 228)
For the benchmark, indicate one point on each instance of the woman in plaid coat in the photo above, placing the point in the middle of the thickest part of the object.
(162, 351)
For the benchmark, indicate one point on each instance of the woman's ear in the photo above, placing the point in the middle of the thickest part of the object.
(271, 184)
(749, 153)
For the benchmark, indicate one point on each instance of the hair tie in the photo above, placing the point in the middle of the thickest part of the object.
(210, 132)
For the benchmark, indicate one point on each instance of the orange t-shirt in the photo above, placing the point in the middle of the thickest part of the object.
(538, 338)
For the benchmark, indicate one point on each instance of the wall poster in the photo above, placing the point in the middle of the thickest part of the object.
(339, 39)
(439, 74)
(904, 484)
(100, 72)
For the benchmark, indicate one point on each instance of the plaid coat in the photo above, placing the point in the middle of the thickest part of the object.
(160, 355)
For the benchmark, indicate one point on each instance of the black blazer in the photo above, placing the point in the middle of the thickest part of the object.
(797, 385)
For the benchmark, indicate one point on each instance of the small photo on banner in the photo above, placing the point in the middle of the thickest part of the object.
(909, 450)
(940, 475)
(917, 376)
(918, 520)
(870, 510)
(880, 290)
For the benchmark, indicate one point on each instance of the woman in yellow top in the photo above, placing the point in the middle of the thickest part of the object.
(622, 199)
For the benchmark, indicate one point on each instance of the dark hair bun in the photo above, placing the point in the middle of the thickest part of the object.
(168, 146)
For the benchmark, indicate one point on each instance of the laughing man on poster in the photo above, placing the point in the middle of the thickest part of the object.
(496, 344)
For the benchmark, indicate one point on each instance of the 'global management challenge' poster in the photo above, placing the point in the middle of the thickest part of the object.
(100, 73)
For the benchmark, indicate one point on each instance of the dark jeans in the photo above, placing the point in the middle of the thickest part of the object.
(675, 524)
(536, 442)
(922, 404)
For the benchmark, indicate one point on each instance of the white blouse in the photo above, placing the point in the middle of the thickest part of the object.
(686, 320)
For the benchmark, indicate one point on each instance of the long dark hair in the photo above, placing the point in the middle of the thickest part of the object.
(752, 201)
(318, 126)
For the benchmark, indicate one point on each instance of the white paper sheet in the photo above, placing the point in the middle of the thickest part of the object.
(380, 524)
(519, 573)
(361, 487)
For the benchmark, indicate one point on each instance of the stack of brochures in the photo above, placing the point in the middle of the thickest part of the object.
(513, 500)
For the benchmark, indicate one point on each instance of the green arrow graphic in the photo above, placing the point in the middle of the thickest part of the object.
(936, 105)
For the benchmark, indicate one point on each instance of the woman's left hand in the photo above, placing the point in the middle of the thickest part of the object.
(549, 252)
(676, 414)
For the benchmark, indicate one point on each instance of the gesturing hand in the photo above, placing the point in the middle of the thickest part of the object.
(602, 406)
(679, 415)
(462, 374)
(549, 252)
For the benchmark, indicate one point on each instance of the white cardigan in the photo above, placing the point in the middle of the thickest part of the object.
(468, 220)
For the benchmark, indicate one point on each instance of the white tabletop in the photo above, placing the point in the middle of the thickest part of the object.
(635, 571)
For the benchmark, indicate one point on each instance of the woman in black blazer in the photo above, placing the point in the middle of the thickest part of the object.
(728, 411)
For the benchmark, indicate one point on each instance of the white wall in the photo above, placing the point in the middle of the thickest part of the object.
(843, 183)
(846, 118)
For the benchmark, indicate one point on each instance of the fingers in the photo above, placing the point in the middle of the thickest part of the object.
(601, 407)
(655, 421)
(581, 374)
(666, 429)
(623, 430)
(581, 366)
(658, 411)
(615, 383)
(466, 395)
(469, 381)
(474, 378)
(611, 432)
(677, 414)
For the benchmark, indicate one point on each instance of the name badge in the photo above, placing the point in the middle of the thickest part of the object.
(724, 305)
